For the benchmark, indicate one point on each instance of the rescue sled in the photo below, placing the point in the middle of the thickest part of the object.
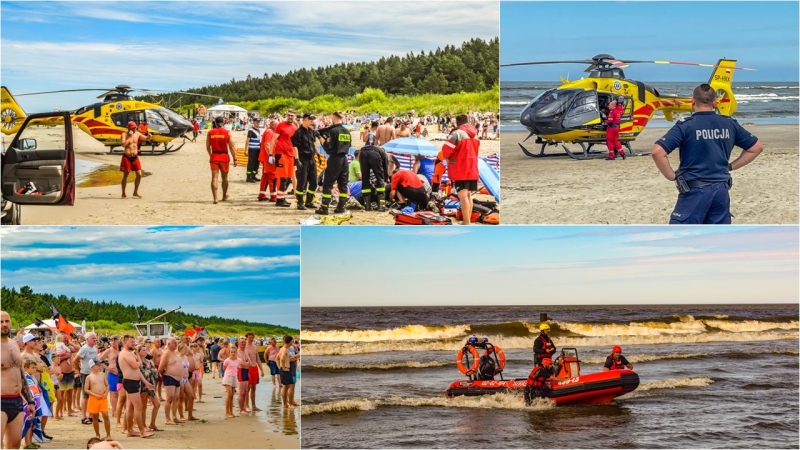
(590, 389)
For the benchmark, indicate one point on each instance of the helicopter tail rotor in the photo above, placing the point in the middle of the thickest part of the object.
(721, 80)
(12, 115)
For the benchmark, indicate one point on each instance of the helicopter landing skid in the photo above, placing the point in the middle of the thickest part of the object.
(586, 152)
(152, 152)
(541, 153)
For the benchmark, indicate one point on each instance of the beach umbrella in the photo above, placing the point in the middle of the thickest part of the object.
(411, 146)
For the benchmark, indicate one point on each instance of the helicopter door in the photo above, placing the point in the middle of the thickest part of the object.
(38, 168)
(583, 111)
(627, 114)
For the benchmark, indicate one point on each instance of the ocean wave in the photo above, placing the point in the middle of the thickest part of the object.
(645, 358)
(506, 343)
(768, 96)
(751, 325)
(496, 401)
(675, 383)
(513, 103)
(408, 332)
(387, 366)
(634, 328)
(736, 88)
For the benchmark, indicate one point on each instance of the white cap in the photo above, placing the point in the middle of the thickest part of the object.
(29, 337)
(92, 363)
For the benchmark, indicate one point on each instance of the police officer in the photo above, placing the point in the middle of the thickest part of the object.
(337, 145)
(706, 140)
(374, 163)
(253, 149)
(543, 347)
(612, 128)
(304, 142)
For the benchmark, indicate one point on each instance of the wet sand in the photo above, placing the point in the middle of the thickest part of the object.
(274, 427)
(178, 193)
(562, 190)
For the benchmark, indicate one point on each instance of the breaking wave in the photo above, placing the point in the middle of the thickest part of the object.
(395, 334)
(496, 401)
(387, 366)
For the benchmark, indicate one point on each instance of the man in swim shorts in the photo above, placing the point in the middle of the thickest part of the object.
(287, 381)
(130, 157)
(132, 380)
(111, 355)
(256, 370)
(219, 142)
(171, 371)
(13, 387)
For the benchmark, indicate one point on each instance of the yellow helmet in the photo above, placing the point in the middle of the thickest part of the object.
(544, 326)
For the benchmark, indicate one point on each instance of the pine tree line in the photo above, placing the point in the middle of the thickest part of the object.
(472, 67)
(25, 305)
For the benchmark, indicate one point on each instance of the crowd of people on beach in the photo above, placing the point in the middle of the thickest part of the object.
(55, 375)
(309, 151)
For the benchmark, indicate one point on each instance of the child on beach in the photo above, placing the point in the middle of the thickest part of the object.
(197, 374)
(96, 387)
(231, 368)
(56, 375)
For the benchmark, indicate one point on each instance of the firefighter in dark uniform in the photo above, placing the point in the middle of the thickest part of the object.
(336, 142)
(373, 160)
(706, 140)
(615, 361)
(304, 143)
(543, 347)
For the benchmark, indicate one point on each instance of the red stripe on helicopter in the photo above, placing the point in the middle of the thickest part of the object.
(646, 110)
(105, 131)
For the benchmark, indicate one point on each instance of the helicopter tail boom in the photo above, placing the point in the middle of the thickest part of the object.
(12, 114)
(721, 80)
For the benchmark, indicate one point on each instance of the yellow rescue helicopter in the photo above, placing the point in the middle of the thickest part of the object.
(574, 111)
(106, 120)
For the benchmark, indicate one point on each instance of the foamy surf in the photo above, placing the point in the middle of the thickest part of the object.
(496, 401)
(409, 332)
(387, 366)
(506, 343)
(645, 358)
(676, 383)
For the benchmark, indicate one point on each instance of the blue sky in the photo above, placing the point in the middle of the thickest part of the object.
(248, 273)
(535, 265)
(760, 35)
(179, 45)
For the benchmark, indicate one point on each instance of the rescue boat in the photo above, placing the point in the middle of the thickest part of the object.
(590, 389)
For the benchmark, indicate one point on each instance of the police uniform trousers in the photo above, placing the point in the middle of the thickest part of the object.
(306, 178)
(252, 163)
(371, 161)
(335, 173)
(706, 204)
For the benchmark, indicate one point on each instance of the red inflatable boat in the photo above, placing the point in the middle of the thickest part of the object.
(590, 389)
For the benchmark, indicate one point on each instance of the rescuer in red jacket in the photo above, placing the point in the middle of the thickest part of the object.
(612, 129)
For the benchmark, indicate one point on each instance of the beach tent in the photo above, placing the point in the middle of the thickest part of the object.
(227, 110)
(48, 324)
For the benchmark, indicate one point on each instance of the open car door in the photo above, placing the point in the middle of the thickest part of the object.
(38, 168)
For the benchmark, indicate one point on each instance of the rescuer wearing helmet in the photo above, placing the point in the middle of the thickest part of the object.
(706, 140)
(543, 347)
(616, 361)
(612, 128)
(536, 386)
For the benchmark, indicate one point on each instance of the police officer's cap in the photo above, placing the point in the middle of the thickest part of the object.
(309, 116)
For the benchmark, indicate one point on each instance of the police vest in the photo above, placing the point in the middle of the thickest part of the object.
(254, 139)
(219, 140)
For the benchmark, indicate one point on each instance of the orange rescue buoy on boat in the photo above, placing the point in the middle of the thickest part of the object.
(460, 359)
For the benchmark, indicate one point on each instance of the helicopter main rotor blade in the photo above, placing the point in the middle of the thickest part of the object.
(576, 61)
(681, 63)
(62, 90)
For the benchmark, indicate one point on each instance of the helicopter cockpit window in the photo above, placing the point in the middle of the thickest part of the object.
(554, 102)
(156, 122)
(585, 104)
(171, 117)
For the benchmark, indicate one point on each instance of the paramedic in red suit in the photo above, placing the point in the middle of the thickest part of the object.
(612, 130)
(461, 151)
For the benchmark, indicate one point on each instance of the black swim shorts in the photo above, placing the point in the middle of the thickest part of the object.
(169, 381)
(131, 386)
(286, 377)
(12, 406)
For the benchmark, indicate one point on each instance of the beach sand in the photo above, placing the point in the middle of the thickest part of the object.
(562, 190)
(178, 193)
(272, 428)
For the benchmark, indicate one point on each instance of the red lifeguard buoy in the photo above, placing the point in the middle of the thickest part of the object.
(475, 358)
(501, 357)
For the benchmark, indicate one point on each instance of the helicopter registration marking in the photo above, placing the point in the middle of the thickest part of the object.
(722, 78)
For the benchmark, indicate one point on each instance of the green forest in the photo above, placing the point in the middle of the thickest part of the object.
(112, 317)
(431, 82)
